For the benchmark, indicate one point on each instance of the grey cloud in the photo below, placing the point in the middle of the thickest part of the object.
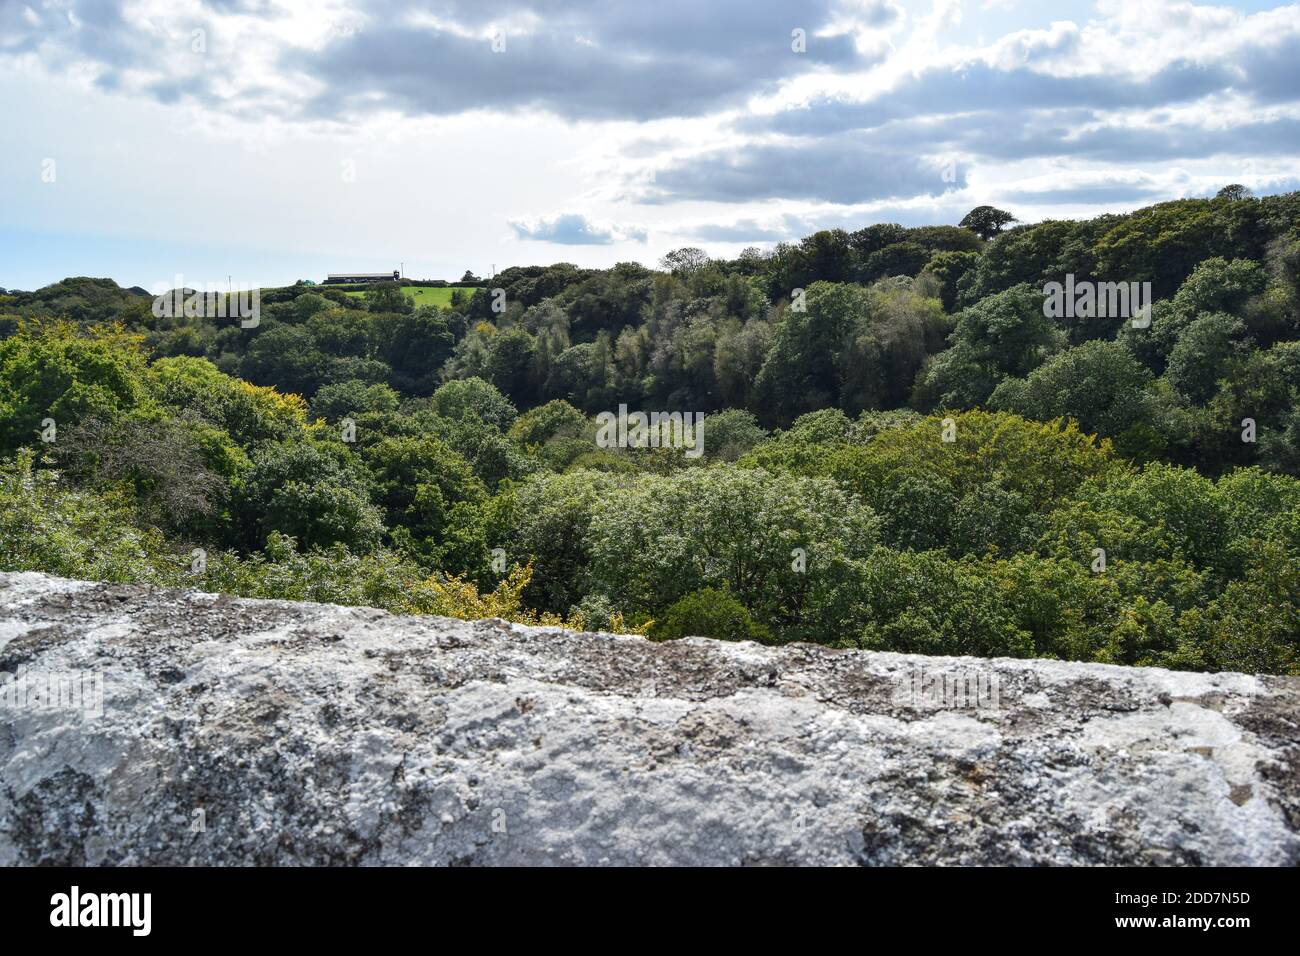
(1097, 193)
(1286, 184)
(742, 230)
(574, 229)
(1013, 135)
(96, 32)
(885, 162)
(1272, 71)
(1008, 134)
(1041, 45)
(576, 58)
(982, 88)
(1007, 114)
(944, 211)
(64, 34)
(793, 227)
(842, 170)
(1276, 137)
(717, 28)
(585, 60)
(244, 7)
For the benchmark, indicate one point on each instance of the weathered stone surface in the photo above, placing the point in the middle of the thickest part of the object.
(305, 733)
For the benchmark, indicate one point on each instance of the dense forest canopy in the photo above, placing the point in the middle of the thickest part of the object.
(901, 449)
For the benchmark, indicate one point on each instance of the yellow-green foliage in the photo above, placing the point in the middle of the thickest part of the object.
(452, 596)
(250, 413)
(56, 370)
(1042, 461)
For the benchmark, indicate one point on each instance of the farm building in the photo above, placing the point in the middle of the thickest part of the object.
(351, 278)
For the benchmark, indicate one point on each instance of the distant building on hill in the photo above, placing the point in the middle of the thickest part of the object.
(352, 278)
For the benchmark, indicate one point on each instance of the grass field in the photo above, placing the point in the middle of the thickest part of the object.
(423, 295)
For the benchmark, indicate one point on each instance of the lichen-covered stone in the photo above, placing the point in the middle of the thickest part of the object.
(266, 732)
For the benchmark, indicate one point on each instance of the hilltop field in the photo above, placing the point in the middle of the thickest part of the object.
(422, 295)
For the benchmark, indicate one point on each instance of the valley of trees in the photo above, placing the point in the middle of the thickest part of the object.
(1102, 496)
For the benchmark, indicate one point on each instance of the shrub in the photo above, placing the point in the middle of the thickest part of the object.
(709, 613)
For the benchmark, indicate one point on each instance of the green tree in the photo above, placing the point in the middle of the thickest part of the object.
(799, 374)
(731, 433)
(510, 366)
(285, 357)
(418, 481)
(1202, 354)
(1099, 384)
(948, 269)
(474, 400)
(899, 259)
(781, 545)
(709, 613)
(987, 221)
(311, 492)
(546, 519)
(252, 415)
(1004, 335)
(555, 419)
(414, 345)
(388, 297)
(352, 398)
(54, 371)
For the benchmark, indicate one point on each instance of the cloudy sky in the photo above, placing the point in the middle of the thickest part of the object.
(272, 140)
